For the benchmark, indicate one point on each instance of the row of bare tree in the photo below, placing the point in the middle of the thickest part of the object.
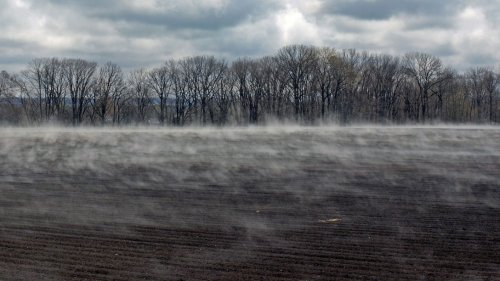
(301, 83)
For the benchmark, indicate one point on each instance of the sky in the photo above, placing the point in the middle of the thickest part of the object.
(145, 33)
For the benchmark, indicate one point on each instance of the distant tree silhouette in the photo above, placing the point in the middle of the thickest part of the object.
(304, 84)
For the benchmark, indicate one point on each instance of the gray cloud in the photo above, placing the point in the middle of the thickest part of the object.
(383, 9)
(212, 15)
(144, 33)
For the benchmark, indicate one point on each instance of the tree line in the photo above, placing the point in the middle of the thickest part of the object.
(304, 84)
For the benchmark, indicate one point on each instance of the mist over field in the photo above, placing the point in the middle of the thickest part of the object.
(277, 202)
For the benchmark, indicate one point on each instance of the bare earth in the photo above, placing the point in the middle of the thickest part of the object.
(273, 203)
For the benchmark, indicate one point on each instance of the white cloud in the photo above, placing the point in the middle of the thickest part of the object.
(295, 28)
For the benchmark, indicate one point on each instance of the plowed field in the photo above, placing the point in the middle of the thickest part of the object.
(290, 203)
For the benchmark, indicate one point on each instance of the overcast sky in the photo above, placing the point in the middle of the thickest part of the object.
(137, 33)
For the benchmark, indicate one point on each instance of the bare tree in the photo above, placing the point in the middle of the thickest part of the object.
(492, 84)
(33, 89)
(352, 84)
(160, 82)
(183, 104)
(299, 63)
(224, 98)
(6, 85)
(79, 76)
(202, 74)
(108, 85)
(120, 99)
(9, 112)
(139, 87)
(275, 83)
(324, 76)
(46, 87)
(240, 70)
(426, 71)
(482, 87)
(387, 79)
(251, 86)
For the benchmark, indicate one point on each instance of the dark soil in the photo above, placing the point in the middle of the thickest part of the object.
(262, 204)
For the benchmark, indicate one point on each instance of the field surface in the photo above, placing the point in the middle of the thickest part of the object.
(275, 203)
